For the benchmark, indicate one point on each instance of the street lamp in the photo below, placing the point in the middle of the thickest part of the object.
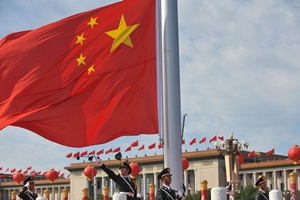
(231, 148)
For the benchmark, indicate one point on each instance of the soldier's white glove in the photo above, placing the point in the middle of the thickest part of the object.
(27, 184)
(179, 193)
(97, 159)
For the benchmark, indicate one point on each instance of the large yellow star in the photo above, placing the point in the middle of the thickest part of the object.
(93, 22)
(91, 69)
(80, 39)
(122, 34)
(81, 59)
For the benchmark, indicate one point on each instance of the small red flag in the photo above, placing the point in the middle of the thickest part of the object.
(151, 146)
(193, 141)
(108, 151)
(68, 176)
(83, 153)
(160, 146)
(183, 141)
(251, 154)
(7, 170)
(13, 170)
(142, 147)
(203, 140)
(92, 152)
(118, 149)
(100, 152)
(0, 168)
(128, 149)
(213, 139)
(69, 155)
(221, 137)
(135, 144)
(76, 154)
(82, 75)
(270, 152)
(29, 168)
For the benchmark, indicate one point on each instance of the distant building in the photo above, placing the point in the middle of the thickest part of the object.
(203, 165)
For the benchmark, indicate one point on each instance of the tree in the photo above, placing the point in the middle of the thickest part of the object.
(248, 193)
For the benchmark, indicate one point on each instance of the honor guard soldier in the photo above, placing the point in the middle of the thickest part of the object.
(262, 186)
(27, 192)
(125, 183)
(165, 192)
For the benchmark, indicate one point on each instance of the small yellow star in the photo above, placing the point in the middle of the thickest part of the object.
(122, 34)
(80, 60)
(80, 39)
(91, 69)
(93, 22)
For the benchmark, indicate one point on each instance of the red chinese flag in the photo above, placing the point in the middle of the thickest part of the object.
(193, 141)
(73, 80)
(69, 155)
(142, 147)
(0, 168)
(221, 138)
(128, 149)
(108, 151)
(182, 141)
(100, 152)
(84, 153)
(251, 154)
(116, 149)
(76, 155)
(203, 140)
(92, 152)
(29, 168)
(151, 146)
(135, 143)
(13, 170)
(160, 146)
(270, 152)
(213, 139)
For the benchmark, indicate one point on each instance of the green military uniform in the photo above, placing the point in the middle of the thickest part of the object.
(24, 193)
(124, 184)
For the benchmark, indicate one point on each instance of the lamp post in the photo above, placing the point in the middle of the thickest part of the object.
(231, 148)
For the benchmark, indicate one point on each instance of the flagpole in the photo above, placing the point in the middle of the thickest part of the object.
(171, 117)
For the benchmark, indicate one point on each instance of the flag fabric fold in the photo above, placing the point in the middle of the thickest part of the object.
(74, 81)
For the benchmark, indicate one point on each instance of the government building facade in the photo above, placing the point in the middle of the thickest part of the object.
(206, 165)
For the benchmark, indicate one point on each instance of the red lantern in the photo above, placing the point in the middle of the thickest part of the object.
(90, 172)
(185, 164)
(241, 158)
(135, 169)
(18, 177)
(294, 154)
(52, 175)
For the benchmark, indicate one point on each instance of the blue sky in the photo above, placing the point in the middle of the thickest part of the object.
(239, 72)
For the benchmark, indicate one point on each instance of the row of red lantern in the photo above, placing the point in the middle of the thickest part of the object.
(51, 175)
